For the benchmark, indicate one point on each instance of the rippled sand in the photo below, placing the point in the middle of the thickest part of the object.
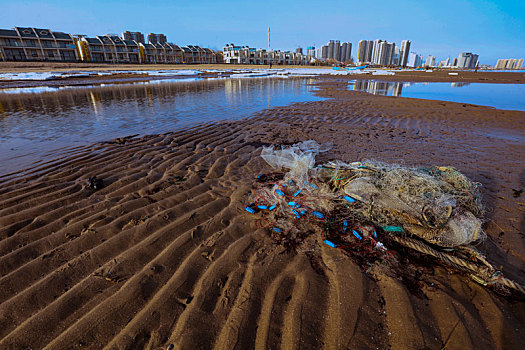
(165, 254)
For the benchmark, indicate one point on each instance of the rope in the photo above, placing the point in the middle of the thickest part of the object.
(481, 274)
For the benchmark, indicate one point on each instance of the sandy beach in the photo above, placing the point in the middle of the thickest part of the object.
(165, 254)
(122, 74)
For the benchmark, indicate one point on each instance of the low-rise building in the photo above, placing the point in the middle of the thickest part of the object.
(35, 44)
(22, 44)
(110, 49)
(247, 55)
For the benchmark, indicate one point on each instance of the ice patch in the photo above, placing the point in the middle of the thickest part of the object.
(84, 74)
(383, 72)
(170, 72)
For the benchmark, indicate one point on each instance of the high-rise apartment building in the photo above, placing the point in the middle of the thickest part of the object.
(414, 60)
(310, 51)
(467, 60)
(395, 59)
(364, 51)
(156, 38)
(137, 36)
(375, 51)
(335, 50)
(509, 63)
(404, 52)
(387, 53)
(346, 52)
(323, 52)
(383, 52)
(431, 61)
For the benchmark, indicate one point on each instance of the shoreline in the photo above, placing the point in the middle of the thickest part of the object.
(164, 253)
(123, 74)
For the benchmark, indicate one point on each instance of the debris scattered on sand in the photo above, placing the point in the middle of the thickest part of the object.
(369, 208)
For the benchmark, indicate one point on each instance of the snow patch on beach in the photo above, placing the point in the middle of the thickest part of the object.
(234, 73)
(169, 72)
(85, 74)
(383, 72)
(44, 75)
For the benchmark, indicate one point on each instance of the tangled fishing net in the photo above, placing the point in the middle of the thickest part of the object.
(362, 206)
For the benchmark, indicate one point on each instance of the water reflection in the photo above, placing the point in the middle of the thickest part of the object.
(503, 96)
(35, 123)
(459, 84)
(385, 88)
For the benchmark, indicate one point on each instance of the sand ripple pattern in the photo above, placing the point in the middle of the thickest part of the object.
(165, 254)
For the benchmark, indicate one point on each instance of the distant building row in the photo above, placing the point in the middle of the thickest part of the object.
(509, 63)
(24, 44)
(113, 49)
(383, 53)
(247, 55)
(336, 51)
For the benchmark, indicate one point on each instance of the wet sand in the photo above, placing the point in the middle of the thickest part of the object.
(436, 76)
(165, 253)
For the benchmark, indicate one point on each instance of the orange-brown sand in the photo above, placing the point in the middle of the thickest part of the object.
(165, 253)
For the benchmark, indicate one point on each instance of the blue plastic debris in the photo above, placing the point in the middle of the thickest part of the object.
(272, 207)
(263, 207)
(280, 193)
(296, 213)
(250, 210)
(356, 234)
(375, 234)
(345, 224)
(297, 193)
(303, 212)
(392, 228)
(292, 204)
(311, 185)
(277, 229)
(328, 243)
(318, 214)
(349, 199)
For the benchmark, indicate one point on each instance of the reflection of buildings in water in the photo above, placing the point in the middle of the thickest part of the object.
(95, 103)
(397, 89)
(361, 85)
(459, 84)
(406, 85)
(380, 88)
(105, 111)
(383, 88)
(236, 90)
(233, 90)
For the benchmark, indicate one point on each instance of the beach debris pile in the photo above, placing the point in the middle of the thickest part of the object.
(366, 208)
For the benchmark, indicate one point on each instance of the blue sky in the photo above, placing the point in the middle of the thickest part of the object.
(492, 29)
